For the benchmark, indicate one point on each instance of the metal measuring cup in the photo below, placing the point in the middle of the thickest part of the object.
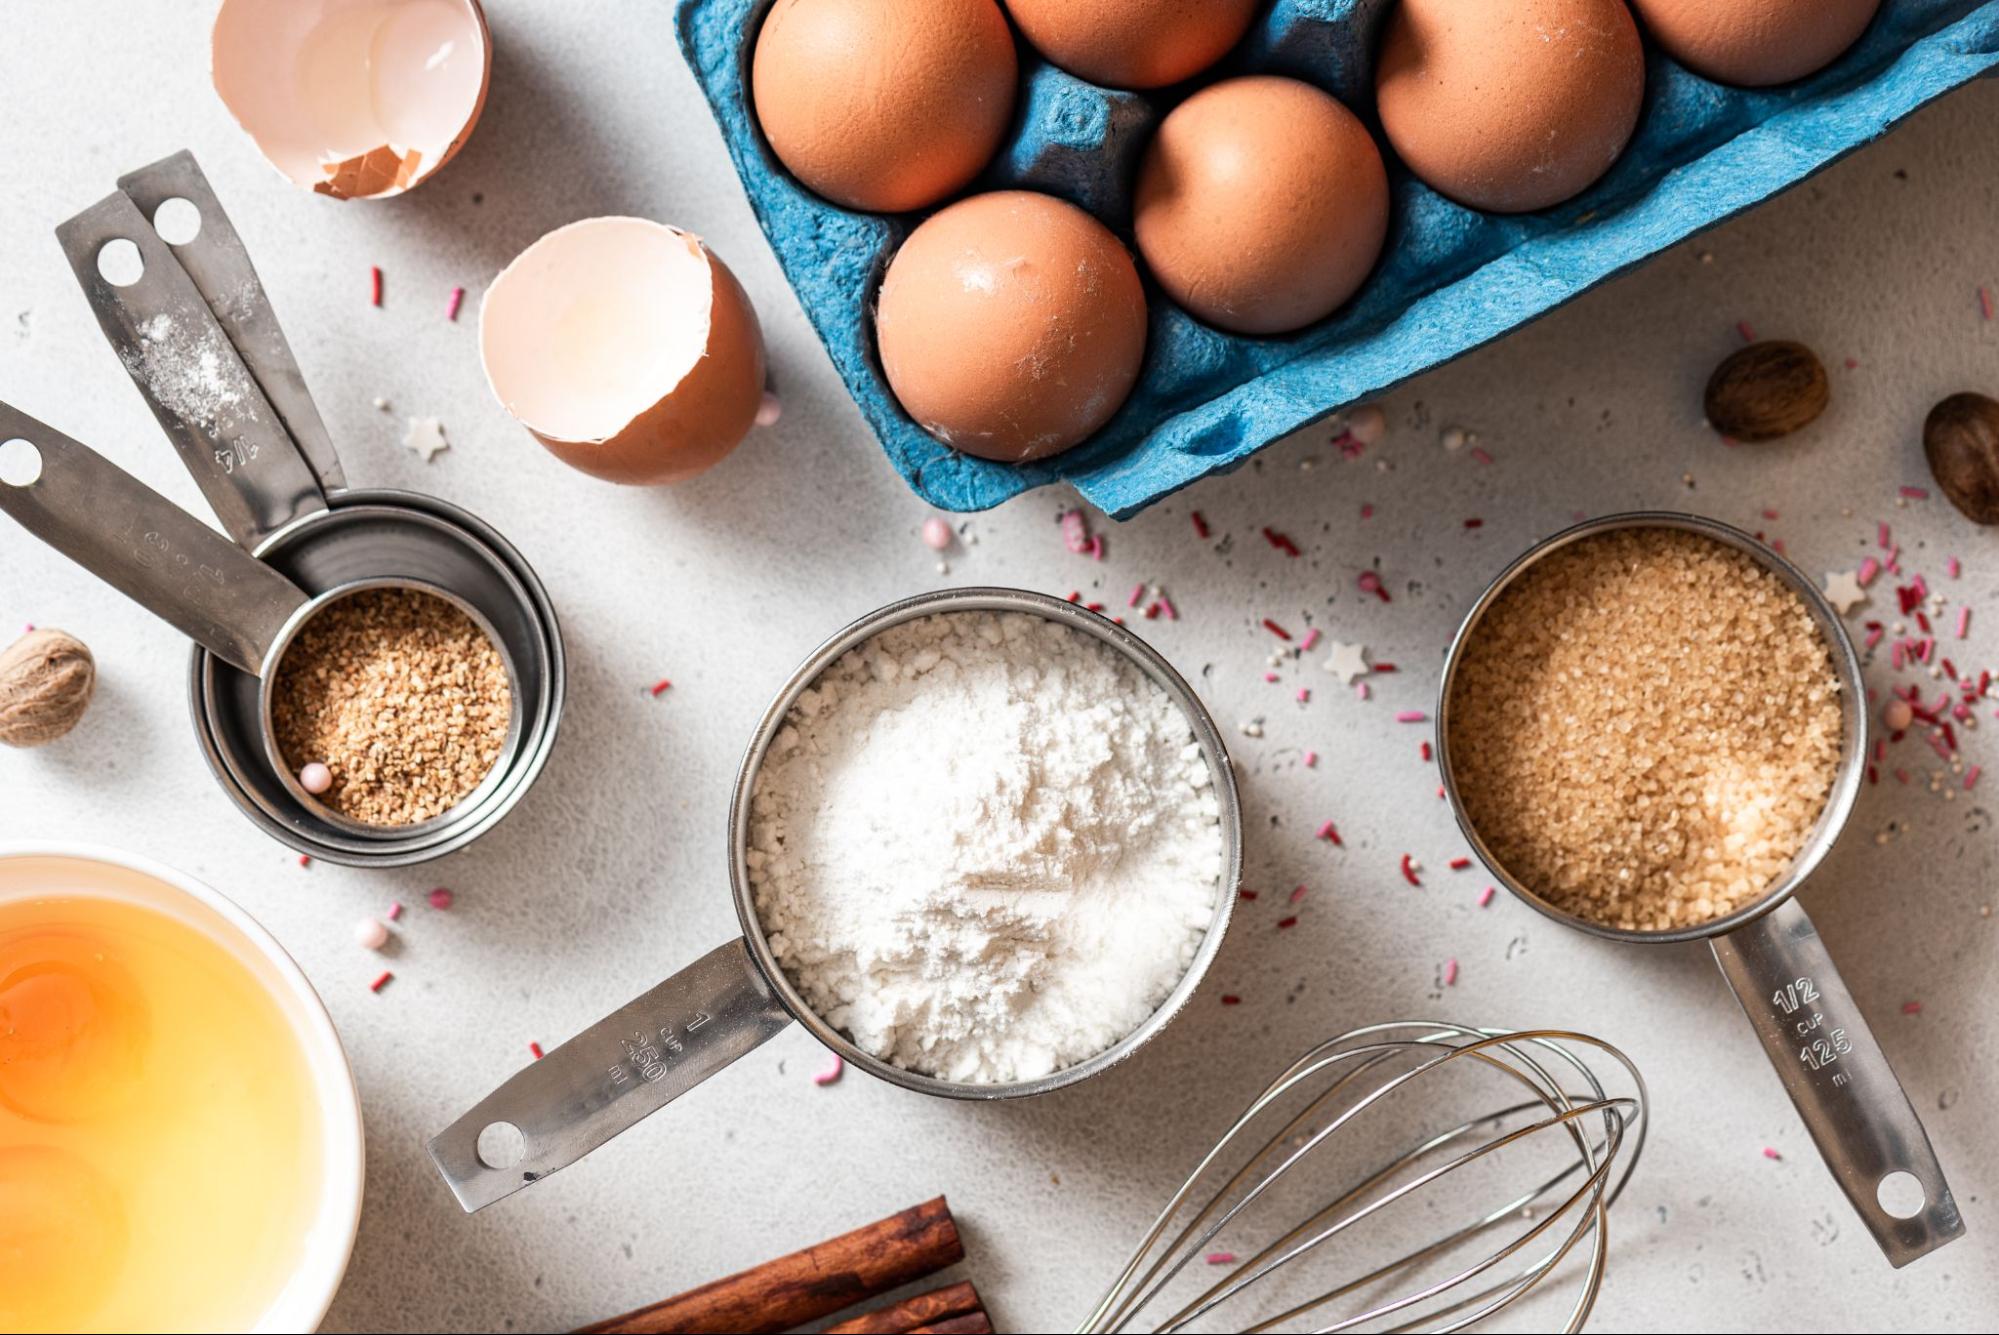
(665, 1042)
(1813, 1033)
(195, 330)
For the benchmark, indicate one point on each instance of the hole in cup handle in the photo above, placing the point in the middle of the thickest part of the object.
(605, 1080)
(20, 462)
(1839, 1078)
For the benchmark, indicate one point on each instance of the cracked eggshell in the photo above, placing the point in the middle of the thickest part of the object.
(1755, 43)
(1011, 325)
(627, 348)
(357, 99)
(1510, 108)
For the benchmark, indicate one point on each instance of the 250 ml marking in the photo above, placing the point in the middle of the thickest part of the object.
(1823, 1045)
(649, 1056)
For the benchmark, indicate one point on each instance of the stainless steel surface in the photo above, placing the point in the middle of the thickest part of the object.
(1839, 1078)
(371, 538)
(1266, 1171)
(148, 548)
(219, 265)
(627, 1066)
(193, 378)
(548, 1115)
(1855, 1108)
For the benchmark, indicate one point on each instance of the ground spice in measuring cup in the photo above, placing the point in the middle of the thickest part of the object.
(1645, 727)
(401, 695)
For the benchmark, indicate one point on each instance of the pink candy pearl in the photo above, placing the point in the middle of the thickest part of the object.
(769, 410)
(370, 934)
(440, 898)
(315, 778)
(936, 533)
(1897, 714)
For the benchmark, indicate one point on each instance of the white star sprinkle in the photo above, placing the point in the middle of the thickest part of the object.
(426, 436)
(1843, 591)
(1347, 661)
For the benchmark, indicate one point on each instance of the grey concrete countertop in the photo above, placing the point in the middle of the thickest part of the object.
(611, 873)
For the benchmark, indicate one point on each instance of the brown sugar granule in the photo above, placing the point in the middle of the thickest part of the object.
(1644, 727)
(401, 695)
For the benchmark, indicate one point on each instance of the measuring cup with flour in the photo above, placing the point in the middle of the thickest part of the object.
(1523, 671)
(984, 844)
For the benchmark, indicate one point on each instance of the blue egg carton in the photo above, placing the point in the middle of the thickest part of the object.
(1450, 278)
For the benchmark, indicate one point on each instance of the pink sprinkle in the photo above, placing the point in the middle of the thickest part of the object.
(1460, 864)
(1881, 536)
(831, 1073)
(1075, 531)
(1097, 546)
(1311, 638)
(1478, 453)
(1485, 896)
(1360, 689)
(1311, 759)
(1868, 570)
(1971, 777)
(534, 1050)
(659, 688)
(28, 629)
(1985, 302)
(1915, 493)
(1370, 582)
(1912, 1008)
(1769, 1153)
(1954, 567)
(1137, 594)
(457, 300)
(440, 898)
(1172, 612)
(1743, 328)
(1304, 695)
(1451, 973)
(1963, 620)
(1297, 894)
(395, 910)
(1270, 676)
(1411, 716)
(1367, 510)
(381, 981)
(374, 284)
(1220, 1258)
(1328, 832)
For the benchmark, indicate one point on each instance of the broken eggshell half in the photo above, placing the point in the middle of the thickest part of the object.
(627, 348)
(357, 99)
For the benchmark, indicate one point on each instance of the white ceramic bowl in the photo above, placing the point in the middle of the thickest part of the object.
(83, 869)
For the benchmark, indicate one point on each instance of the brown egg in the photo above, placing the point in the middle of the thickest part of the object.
(1011, 325)
(1133, 43)
(1262, 204)
(1755, 43)
(884, 105)
(626, 347)
(1510, 107)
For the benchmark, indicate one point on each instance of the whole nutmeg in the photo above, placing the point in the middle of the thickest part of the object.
(46, 678)
(1961, 441)
(1767, 390)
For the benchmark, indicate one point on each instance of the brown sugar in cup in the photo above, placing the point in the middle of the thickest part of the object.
(1644, 729)
(401, 695)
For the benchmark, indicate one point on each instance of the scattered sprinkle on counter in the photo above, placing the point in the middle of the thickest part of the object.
(374, 285)
(1220, 1258)
(1770, 1153)
(1409, 868)
(1485, 896)
(831, 1073)
(457, 301)
(534, 1050)
(1450, 973)
(381, 981)
(659, 688)
(440, 898)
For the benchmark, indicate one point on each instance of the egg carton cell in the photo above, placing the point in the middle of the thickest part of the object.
(1450, 278)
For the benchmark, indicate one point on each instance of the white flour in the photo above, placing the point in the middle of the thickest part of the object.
(984, 846)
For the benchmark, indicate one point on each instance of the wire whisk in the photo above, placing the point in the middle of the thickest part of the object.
(1496, 1202)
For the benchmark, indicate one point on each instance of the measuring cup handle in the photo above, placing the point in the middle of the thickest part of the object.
(142, 544)
(628, 1065)
(1839, 1078)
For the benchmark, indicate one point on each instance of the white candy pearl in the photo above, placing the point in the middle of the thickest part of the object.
(315, 778)
(370, 934)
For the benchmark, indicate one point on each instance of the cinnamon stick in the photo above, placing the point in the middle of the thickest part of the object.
(806, 1285)
(912, 1313)
(972, 1323)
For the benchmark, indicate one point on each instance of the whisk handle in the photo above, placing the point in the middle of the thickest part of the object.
(1839, 1078)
